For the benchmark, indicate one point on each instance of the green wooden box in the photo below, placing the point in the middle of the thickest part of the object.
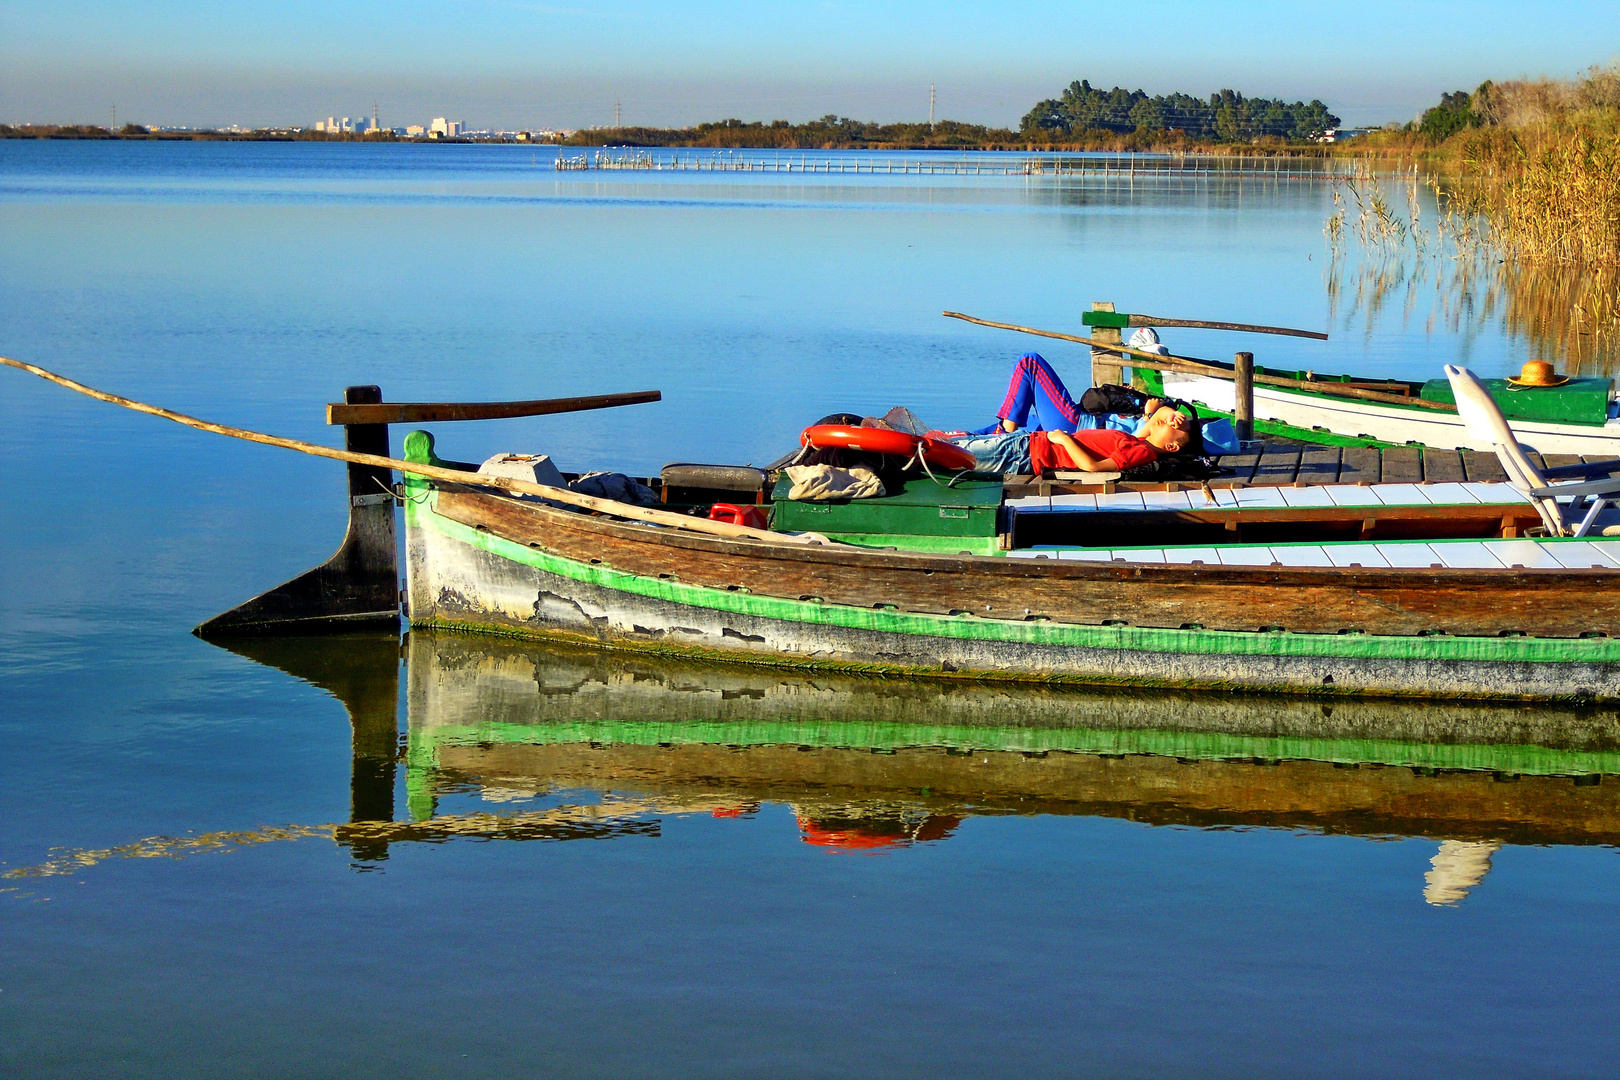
(924, 508)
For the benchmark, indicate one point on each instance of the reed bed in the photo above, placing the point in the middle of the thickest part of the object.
(1548, 283)
(1527, 222)
(1551, 193)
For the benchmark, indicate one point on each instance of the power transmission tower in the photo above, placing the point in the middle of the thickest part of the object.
(930, 104)
(374, 116)
(616, 112)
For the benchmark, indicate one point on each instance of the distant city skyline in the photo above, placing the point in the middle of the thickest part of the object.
(516, 65)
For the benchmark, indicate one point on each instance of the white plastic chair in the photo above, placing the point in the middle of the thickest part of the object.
(1588, 497)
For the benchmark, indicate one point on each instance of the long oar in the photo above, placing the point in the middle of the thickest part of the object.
(434, 472)
(1205, 324)
(1187, 365)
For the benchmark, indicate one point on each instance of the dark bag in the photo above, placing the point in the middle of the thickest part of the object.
(1108, 398)
(1175, 467)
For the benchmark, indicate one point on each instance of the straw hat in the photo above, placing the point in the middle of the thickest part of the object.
(1539, 373)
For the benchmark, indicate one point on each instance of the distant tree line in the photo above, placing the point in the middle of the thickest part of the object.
(1455, 113)
(1082, 117)
(1225, 116)
(830, 132)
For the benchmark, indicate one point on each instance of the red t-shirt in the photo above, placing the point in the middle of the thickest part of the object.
(1127, 450)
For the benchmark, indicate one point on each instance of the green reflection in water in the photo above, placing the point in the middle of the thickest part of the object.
(617, 741)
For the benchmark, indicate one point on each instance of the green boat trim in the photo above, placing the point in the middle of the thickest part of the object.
(1153, 383)
(969, 627)
(1518, 760)
(1542, 409)
(929, 545)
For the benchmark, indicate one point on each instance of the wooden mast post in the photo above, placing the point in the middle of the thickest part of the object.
(1105, 365)
(1243, 395)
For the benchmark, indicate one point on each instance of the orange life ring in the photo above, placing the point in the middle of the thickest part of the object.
(938, 453)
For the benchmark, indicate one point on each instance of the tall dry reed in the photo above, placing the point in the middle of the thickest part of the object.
(1565, 311)
(1551, 194)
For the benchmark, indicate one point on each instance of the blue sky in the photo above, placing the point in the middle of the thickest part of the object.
(517, 63)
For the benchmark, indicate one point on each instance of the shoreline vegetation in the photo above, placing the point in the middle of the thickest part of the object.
(1082, 118)
(1526, 177)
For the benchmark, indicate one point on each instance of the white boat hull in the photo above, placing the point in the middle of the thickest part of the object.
(1367, 419)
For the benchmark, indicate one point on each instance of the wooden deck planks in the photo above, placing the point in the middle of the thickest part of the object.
(1588, 459)
(1402, 465)
(1279, 464)
(1443, 467)
(1360, 464)
(1242, 467)
(1319, 465)
(1482, 467)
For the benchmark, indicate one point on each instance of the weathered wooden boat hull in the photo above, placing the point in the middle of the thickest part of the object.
(1322, 418)
(486, 562)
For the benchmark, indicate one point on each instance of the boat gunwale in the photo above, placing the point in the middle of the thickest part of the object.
(1406, 412)
(851, 555)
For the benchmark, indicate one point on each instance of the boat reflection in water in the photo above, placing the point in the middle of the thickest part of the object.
(883, 764)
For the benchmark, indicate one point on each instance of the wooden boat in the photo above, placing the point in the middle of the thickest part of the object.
(1578, 417)
(1408, 589)
(1403, 589)
(1574, 416)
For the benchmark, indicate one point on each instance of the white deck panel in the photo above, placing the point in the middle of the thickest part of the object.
(1184, 555)
(1025, 504)
(1409, 556)
(1140, 555)
(1246, 556)
(1402, 494)
(1452, 494)
(1085, 555)
(1300, 555)
(1467, 555)
(1118, 500)
(1354, 495)
(1170, 500)
(1074, 502)
(1307, 496)
(1525, 553)
(1349, 554)
(1584, 554)
(1254, 498)
(1030, 553)
(1495, 493)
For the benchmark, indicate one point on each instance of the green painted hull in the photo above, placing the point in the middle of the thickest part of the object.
(469, 578)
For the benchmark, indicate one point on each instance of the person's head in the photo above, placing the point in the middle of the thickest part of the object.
(1171, 430)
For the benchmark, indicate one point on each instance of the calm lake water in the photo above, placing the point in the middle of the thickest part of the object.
(457, 857)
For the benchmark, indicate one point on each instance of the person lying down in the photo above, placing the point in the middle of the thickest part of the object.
(1065, 436)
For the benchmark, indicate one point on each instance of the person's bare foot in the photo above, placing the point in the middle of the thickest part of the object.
(1008, 426)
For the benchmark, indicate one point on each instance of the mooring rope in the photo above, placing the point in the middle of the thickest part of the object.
(434, 472)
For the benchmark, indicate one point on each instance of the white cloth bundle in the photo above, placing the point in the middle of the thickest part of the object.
(1146, 339)
(817, 483)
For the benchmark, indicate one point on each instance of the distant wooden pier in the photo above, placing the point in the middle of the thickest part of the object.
(1134, 166)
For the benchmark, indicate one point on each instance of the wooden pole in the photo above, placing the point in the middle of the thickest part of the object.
(1105, 366)
(1202, 324)
(434, 412)
(434, 472)
(1192, 366)
(1243, 387)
